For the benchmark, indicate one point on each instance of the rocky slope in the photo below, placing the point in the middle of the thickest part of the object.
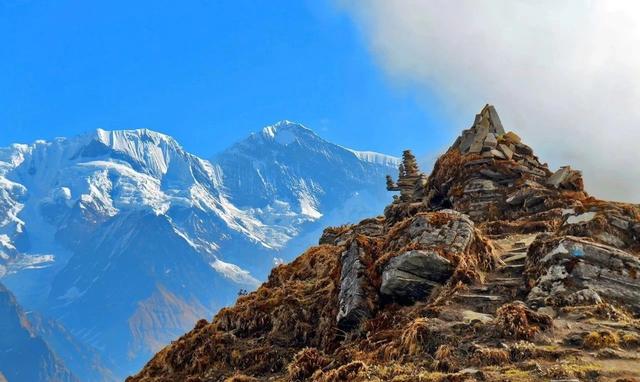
(127, 239)
(491, 268)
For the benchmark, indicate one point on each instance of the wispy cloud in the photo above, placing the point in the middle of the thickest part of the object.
(565, 75)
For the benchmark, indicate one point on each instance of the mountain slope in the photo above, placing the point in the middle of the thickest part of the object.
(129, 223)
(24, 356)
(491, 268)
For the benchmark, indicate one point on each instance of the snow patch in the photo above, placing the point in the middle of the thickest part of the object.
(234, 273)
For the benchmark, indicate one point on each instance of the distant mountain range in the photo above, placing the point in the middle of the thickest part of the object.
(125, 239)
(25, 356)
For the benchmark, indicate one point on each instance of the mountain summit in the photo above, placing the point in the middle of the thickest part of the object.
(493, 267)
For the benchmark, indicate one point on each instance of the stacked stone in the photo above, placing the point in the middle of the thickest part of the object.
(409, 177)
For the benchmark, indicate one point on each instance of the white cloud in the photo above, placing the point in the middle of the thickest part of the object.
(565, 75)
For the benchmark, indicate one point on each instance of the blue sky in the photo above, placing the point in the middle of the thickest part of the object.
(205, 72)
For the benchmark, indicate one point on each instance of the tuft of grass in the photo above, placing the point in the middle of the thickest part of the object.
(446, 359)
(348, 372)
(600, 340)
(305, 363)
(515, 320)
(417, 337)
(490, 357)
(630, 340)
(582, 371)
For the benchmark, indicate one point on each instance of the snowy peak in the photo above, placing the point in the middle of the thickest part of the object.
(142, 148)
(287, 132)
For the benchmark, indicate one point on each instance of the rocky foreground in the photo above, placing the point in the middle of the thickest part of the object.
(492, 268)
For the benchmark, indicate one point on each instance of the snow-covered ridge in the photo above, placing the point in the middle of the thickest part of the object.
(377, 158)
(105, 173)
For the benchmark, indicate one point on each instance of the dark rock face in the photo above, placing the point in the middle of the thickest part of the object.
(412, 275)
(569, 270)
(352, 298)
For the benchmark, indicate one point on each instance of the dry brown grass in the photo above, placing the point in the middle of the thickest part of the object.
(417, 337)
(348, 372)
(490, 357)
(241, 378)
(446, 359)
(630, 340)
(516, 321)
(294, 309)
(600, 340)
(603, 311)
(524, 350)
(581, 371)
(306, 362)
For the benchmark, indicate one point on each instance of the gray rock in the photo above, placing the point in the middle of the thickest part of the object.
(480, 185)
(412, 275)
(455, 236)
(466, 140)
(523, 149)
(497, 154)
(478, 139)
(496, 124)
(508, 153)
(352, 299)
(491, 141)
(559, 176)
(577, 271)
(619, 222)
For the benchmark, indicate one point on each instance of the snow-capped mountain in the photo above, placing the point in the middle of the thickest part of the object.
(128, 239)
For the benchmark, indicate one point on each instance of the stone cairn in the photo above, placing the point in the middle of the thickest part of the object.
(409, 178)
(499, 173)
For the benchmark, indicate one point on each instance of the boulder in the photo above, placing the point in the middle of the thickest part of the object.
(455, 236)
(412, 275)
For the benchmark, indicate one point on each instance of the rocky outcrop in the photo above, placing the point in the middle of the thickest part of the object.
(567, 271)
